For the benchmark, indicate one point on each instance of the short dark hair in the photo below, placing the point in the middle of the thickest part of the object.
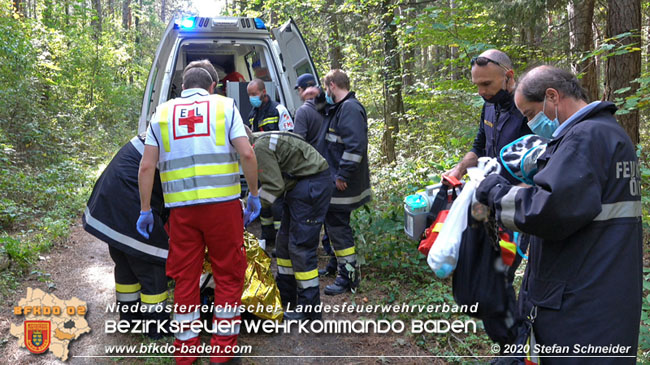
(197, 77)
(534, 83)
(258, 83)
(338, 78)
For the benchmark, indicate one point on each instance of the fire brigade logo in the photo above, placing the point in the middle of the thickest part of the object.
(37, 336)
(192, 120)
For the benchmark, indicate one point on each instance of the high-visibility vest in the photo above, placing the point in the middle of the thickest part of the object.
(196, 163)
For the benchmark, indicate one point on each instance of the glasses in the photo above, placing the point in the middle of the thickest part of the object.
(482, 61)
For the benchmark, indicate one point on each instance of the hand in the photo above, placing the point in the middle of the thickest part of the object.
(145, 223)
(253, 208)
(483, 190)
(457, 172)
(341, 185)
(310, 92)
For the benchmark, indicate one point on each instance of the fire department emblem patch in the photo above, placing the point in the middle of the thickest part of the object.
(37, 336)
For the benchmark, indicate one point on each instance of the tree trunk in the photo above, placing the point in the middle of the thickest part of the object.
(392, 83)
(18, 6)
(624, 16)
(126, 14)
(334, 40)
(96, 23)
(581, 14)
(162, 10)
(408, 54)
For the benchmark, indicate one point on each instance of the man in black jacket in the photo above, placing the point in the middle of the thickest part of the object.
(344, 143)
(583, 282)
(113, 206)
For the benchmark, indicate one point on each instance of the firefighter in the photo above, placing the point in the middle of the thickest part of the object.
(140, 279)
(291, 167)
(344, 143)
(195, 140)
(267, 115)
(583, 283)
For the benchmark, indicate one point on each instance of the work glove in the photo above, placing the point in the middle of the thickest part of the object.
(145, 223)
(485, 191)
(253, 208)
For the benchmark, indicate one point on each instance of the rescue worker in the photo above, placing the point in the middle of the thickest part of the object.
(290, 167)
(583, 283)
(140, 279)
(501, 122)
(309, 118)
(267, 115)
(195, 140)
(344, 143)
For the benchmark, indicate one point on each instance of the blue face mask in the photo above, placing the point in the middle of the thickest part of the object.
(541, 125)
(329, 99)
(256, 101)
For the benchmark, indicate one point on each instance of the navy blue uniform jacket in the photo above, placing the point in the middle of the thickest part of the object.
(585, 268)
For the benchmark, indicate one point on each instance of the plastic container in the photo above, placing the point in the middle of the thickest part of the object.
(416, 208)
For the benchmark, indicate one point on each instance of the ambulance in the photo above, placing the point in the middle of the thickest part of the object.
(232, 44)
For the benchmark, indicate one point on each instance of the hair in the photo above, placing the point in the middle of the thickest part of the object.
(338, 78)
(204, 64)
(534, 83)
(498, 56)
(197, 77)
(258, 83)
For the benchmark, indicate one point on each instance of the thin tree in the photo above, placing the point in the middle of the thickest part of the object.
(581, 14)
(392, 82)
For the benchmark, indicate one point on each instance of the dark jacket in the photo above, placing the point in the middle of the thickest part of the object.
(586, 261)
(345, 137)
(271, 116)
(308, 121)
(500, 125)
(114, 205)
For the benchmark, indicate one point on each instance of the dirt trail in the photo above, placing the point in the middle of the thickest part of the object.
(82, 268)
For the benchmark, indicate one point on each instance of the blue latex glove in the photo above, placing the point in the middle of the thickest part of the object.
(253, 208)
(145, 223)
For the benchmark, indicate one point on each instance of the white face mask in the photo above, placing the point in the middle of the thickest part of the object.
(542, 125)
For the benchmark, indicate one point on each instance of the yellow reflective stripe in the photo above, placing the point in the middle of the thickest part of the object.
(184, 196)
(202, 170)
(153, 299)
(306, 275)
(220, 127)
(346, 252)
(164, 127)
(127, 288)
(437, 227)
(508, 245)
(268, 121)
(285, 262)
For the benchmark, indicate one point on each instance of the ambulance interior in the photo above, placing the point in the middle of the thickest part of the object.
(251, 59)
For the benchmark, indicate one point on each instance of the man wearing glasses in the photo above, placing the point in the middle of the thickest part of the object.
(501, 122)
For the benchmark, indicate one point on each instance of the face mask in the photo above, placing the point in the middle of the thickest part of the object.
(329, 99)
(501, 97)
(256, 101)
(542, 125)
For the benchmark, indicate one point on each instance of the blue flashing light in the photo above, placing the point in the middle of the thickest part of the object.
(187, 23)
(259, 24)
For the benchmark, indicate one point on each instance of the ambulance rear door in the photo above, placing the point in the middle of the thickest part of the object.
(295, 57)
(159, 68)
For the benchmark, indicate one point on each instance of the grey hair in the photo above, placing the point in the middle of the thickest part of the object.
(534, 83)
(498, 56)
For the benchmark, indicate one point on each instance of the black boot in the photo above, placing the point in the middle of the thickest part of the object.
(348, 279)
(330, 269)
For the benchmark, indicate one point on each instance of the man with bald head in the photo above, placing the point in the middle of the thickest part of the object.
(501, 122)
(267, 115)
(583, 282)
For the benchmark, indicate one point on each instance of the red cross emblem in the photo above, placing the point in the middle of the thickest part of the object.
(190, 121)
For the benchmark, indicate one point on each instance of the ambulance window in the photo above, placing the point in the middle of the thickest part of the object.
(303, 68)
(257, 68)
